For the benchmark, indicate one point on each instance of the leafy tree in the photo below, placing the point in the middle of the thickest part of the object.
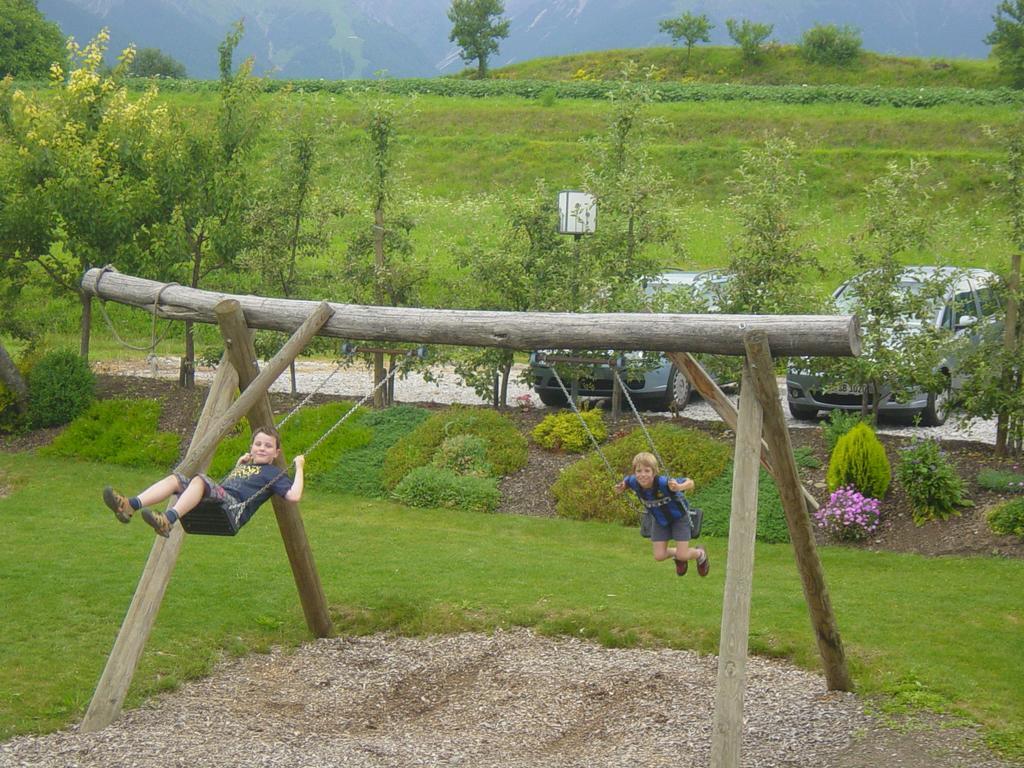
(79, 187)
(693, 28)
(901, 347)
(290, 218)
(994, 386)
(378, 264)
(204, 181)
(749, 36)
(29, 43)
(1007, 39)
(829, 44)
(477, 28)
(152, 62)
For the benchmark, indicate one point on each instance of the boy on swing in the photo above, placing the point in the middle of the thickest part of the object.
(671, 520)
(253, 480)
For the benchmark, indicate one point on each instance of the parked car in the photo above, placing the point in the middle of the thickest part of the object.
(966, 310)
(659, 388)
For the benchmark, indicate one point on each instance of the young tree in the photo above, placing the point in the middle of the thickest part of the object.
(901, 347)
(204, 181)
(152, 62)
(749, 36)
(831, 45)
(477, 28)
(1007, 39)
(80, 189)
(693, 28)
(378, 264)
(29, 44)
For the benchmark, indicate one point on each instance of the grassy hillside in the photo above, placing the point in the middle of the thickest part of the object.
(780, 65)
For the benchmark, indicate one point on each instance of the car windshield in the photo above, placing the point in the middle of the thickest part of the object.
(847, 300)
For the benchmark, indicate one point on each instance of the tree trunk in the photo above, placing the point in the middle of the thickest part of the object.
(86, 329)
(379, 396)
(1010, 346)
(12, 378)
(295, 388)
(187, 370)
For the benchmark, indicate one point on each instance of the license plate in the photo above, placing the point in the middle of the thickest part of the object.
(849, 389)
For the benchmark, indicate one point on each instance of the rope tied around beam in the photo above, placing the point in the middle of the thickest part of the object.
(153, 340)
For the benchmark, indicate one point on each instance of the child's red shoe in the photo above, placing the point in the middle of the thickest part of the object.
(703, 565)
(681, 566)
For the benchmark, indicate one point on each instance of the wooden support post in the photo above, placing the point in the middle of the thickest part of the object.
(801, 533)
(716, 398)
(727, 734)
(239, 346)
(138, 622)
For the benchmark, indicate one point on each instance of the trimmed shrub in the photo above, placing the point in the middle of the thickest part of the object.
(830, 45)
(60, 388)
(506, 448)
(118, 432)
(584, 490)
(464, 455)
(1008, 518)
(564, 431)
(359, 471)
(929, 480)
(429, 486)
(859, 460)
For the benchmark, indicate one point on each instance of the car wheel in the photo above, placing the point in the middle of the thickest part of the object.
(937, 409)
(553, 399)
(680, 389)
(803, 412)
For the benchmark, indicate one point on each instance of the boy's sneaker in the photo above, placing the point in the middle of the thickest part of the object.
(158, 520)
(703, 565)
(118, 504)
(681, 566)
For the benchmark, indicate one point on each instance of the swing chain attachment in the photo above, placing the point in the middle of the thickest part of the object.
(154, 341)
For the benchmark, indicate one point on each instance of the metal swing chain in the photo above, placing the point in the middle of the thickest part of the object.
(632, 407)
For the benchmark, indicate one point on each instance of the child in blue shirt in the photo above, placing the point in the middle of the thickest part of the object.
(253, 480)
(671, 520)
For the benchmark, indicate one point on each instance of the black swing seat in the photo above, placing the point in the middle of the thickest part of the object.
(209, 519)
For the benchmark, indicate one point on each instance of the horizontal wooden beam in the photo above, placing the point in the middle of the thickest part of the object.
(811, 335)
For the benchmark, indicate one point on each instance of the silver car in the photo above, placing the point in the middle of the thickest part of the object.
(660, 388)
(968, 307)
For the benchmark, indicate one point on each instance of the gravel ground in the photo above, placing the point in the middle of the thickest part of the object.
(355, 382)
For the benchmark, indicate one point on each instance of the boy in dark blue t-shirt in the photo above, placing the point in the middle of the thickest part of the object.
(253, 480)
(671, 520)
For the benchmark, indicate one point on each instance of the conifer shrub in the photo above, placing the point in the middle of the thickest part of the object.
(430, 487)
(1008, 518)
(61, 387)
(859, 460)
(584, 490)
(506, 448)
(930, 482)
(118, 432)
(837, 424)
(563, 431)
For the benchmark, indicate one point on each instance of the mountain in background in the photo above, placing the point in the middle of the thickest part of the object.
(335, 39)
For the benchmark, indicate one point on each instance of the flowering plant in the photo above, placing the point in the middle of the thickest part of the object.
(524, 401)
(848, 514)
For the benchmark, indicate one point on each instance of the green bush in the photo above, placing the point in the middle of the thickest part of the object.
(584, 490)
(432, 487)
(506, 448)
(1008, 518)
(119, 432)
(60, 386)
(838, 424)
(859, 460)
(830, 45)
(715, 499)
(297, 436)
(929, 480)
(1001, 480)
(564, 431)
(464, 455)
(359, 471)
(10, 419)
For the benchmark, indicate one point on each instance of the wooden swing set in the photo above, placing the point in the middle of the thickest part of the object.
(762, 439)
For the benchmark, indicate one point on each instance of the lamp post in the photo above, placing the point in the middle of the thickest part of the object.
(577, 216)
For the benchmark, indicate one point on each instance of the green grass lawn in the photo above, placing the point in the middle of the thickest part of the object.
(941, 631)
